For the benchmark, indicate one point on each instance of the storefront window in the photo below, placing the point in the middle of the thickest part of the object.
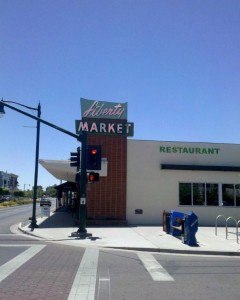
(198, 193)
(237, 191)
(185, 194)
(207, 194)
(212, 194)
(228, 194)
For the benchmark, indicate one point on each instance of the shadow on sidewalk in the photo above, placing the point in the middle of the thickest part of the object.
(60, 219)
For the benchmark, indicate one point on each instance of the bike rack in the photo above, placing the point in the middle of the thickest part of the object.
(238, 222)
(231, 218)
(218, 217)
(226, 224)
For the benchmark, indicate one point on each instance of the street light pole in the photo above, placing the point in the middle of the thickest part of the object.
(83, 180)
(3, 103)
(33, 223)
(26, 184)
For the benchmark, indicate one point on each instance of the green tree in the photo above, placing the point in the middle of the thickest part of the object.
(28, 193)
(51, 191)
(4, 192)
(19, 194)
(40, 191)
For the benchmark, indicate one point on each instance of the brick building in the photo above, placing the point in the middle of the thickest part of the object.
(140, 179)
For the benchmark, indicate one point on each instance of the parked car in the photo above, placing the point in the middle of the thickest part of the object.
(45, 201)
(2, 199)
(6, 198)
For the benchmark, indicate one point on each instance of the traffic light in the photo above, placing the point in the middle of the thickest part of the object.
(75, 158)
(93, 177)
(94, 157)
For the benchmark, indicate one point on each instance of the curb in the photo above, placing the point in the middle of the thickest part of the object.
(29, 233)
(172, 251)
(156, 250)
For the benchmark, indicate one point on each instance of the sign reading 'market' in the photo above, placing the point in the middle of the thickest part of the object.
(102, 109)
(107, 127)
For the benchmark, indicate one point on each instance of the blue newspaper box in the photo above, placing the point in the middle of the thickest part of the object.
(176, 221)
(190, 229)
(166, 221)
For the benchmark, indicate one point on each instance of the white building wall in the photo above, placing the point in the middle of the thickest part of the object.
(153, 190)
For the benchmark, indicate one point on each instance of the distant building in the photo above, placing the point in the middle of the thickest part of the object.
(8, 181)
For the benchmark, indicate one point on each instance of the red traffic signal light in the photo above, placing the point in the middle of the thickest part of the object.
(93, 151)
(94, 157)
(92, 177)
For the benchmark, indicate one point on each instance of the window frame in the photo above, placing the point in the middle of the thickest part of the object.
(192, 194)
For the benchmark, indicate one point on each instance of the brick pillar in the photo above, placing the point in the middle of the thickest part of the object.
(106, 199)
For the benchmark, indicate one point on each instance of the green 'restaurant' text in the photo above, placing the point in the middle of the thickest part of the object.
(189, 150)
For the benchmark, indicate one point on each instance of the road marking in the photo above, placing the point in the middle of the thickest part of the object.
(104, 284)
(157, 272)
(84, 283)
(15, 263)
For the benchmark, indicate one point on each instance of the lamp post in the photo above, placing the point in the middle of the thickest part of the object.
(81, 138)
(3, 103)
(26, 184)
(33, 220)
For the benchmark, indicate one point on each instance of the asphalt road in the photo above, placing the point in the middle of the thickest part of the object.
(194, 277)
(36, 269)
(13, 215)
(16, 214)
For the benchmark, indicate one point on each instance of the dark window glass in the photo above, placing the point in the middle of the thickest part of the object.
(237, 190)
(185, 194)
(198, 193)
(228, 194)
(212, 194)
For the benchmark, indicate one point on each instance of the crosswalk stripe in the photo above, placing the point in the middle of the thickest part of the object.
(84, 283)
(15, 263)
(157, 272)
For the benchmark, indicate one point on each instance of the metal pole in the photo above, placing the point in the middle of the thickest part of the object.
(33, 220)
(82, 232)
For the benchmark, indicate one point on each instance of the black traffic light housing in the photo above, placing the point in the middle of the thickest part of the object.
(93, 176)
(77, 177)
(75, 158)
(94, 157)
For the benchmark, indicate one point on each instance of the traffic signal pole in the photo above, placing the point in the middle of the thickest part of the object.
(82, 183)
(82, 232)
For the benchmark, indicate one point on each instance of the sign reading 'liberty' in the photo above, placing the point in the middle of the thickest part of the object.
(103, 109)
(101, 117)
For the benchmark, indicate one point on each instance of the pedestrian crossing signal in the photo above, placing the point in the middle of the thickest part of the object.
(92, 177)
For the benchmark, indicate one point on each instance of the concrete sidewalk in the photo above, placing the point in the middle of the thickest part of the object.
(59, 227)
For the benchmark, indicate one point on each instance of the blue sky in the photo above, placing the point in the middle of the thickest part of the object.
(176, 63)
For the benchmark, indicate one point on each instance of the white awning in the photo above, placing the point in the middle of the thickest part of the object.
(62, 170)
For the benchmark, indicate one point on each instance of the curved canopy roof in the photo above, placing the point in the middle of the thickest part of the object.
(62, 170)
